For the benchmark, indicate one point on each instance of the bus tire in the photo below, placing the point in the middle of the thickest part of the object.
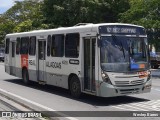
(75, 87)
(25, 77)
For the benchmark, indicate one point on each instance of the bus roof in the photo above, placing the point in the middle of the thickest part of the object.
(81, 28)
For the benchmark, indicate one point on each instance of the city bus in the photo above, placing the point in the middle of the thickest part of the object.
(106, 60)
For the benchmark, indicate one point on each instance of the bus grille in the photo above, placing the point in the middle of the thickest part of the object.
(134, 82)
(129, 91)
(121, 82)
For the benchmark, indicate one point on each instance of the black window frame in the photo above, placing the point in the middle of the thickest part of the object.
(71, 51)
(18, 44)
(32, 45)
(13, 49)
(58, 45)
(49, 41)
(24, 50)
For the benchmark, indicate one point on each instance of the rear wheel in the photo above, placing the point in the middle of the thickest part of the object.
(25, 77)
(75, 87)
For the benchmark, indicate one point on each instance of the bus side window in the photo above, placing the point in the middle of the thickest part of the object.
(49, 45)
(32, 45)
(18, 46)
(57, 49)
(7, 46)
(24, 45)
(72, 45)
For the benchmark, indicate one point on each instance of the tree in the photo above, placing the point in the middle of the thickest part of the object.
(29, 15)
(70, 12)
(23, 16)
(24, 10)
(147, 14)
(23, 26)
(6, 26)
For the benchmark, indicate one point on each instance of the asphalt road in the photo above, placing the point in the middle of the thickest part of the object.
(10, 110)
(59, 99)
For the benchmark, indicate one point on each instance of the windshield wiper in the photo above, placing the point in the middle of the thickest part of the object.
(122, 48)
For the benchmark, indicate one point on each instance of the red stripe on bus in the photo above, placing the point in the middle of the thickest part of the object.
(24, 61)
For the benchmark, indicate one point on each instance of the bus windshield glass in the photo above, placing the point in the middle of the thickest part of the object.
(122, 54)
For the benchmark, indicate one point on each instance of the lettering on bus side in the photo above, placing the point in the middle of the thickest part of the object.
(73, 61)
(32, 62)
(53, 64)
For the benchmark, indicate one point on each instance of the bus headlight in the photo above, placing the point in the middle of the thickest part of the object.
(105, 78)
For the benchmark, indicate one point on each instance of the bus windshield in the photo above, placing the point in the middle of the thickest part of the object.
(122, 54)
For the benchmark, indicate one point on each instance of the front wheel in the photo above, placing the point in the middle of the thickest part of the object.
(75, 87)
(25, 77)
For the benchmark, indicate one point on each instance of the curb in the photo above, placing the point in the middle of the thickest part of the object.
(35, 106)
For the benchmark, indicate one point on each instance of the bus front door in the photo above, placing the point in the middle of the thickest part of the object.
(41, 60)
(89, 64)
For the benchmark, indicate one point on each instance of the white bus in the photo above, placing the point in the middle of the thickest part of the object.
(106, 60)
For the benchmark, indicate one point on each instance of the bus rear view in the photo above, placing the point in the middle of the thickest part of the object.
(124, 60)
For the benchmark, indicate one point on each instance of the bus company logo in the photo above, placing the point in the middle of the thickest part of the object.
(6, 114)
(53, 64)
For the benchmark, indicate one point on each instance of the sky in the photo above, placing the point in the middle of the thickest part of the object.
(6, 4)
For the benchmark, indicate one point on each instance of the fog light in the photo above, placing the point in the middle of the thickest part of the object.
(147, 86)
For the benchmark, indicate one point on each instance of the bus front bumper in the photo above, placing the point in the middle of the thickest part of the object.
(106, 90)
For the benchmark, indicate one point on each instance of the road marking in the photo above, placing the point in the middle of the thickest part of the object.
(156, 89)
(153, 105)
(123, 108)
(131, 106)
(35, 103)
(146, 107)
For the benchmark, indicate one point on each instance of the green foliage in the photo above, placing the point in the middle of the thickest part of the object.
(147, 14)
(143, 12)
(23, 26)
(24, 10)
(43, 14)
(23, 16)
(6, 26)
(71, 12)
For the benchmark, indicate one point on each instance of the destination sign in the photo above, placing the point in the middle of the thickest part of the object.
(121, 29)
